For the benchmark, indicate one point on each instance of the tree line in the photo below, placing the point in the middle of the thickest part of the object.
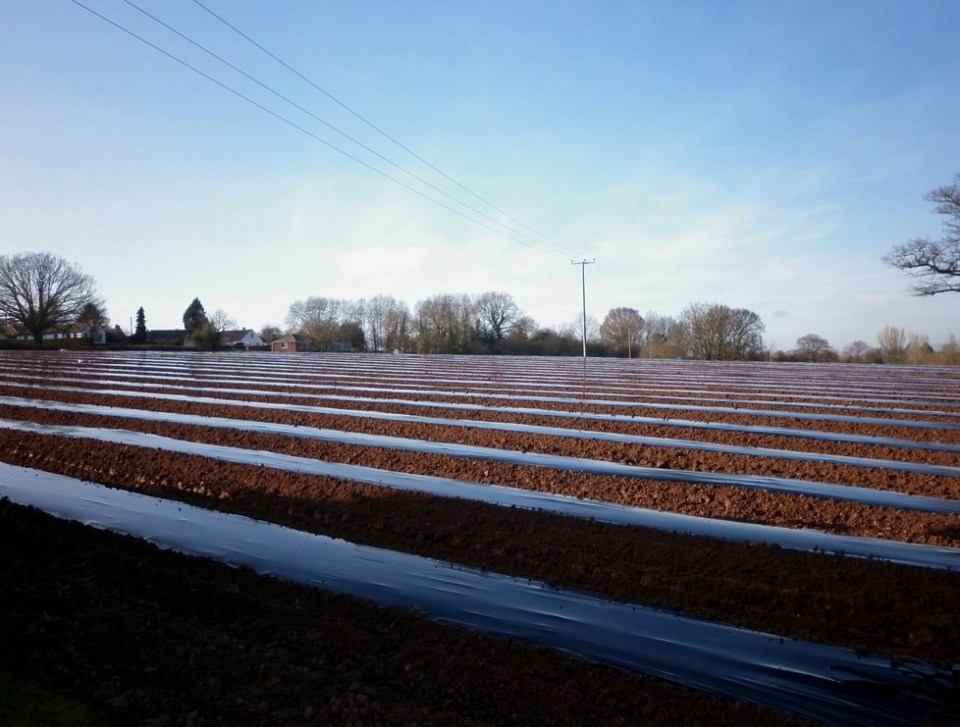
(493, 323)
(40, 292)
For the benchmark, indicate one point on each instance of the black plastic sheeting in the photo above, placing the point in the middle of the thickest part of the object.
(536, 429)
(845, 493)
(518, 385)
(466, 406)
(577, 401)
(913, 554)
(831, 684)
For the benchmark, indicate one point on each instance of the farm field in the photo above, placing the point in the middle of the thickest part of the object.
(846, 451)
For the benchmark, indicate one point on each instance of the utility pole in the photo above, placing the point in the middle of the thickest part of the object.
(583, 285)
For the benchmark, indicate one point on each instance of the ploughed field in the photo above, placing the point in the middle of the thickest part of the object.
(144, 635)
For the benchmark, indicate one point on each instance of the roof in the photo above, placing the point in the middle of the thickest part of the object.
(234, 336)
(291, 337)
(166, 334)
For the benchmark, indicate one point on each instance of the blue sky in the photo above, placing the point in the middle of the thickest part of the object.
(763, 155)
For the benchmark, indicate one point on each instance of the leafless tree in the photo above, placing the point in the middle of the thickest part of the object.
(717, 332)
(935, 263)
(326, 320)
(518, 340)
(449, 323)
(622, 331)
(442, 323)
(378, 309)
(919, 350)
(303, 313)
(574, 329)
(496, 313)
(40, 291)
(396, 331)
(950, 351)
(269, 332)
(660, 336)
(811, 347)
(744, 331)
(892, 344)
(222, 321)
(856, 351)
(385, 321)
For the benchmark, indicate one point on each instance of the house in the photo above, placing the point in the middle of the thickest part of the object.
(243, 338)
(97, 335)
(291, 343)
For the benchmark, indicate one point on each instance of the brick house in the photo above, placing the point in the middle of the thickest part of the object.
(291, 343)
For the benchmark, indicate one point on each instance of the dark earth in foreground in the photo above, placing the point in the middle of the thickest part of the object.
(142, 636)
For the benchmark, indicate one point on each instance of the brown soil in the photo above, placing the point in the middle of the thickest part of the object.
(108, 619)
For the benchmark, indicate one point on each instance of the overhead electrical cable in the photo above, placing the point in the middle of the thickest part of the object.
(376, 128)
(303, 130)
(331, 126)
(604, 290)
(297, 126)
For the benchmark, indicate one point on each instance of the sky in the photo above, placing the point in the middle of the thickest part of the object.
(757, 154)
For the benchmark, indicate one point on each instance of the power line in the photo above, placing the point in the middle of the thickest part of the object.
(297, 126)
(511, 234)
(327, 124)
(373, 126)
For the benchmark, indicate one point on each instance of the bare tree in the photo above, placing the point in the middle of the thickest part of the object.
(387, 320)
(935, 263)
(919, 350)
(622, 331)
(702, 330)
(396, 333)
(856, 351)
(950, 351)
(892, 344)
(354, 318)
(325, 320)
(269, 332)
(303, 313)
(209, 331)
(496, 314)
(717, 332)
(745, 334)
(574, 329)
(40, 291)
(811, 347)
(660, 336)
(518, 340)
(378, 308)
(222, 321)
(443, 323)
